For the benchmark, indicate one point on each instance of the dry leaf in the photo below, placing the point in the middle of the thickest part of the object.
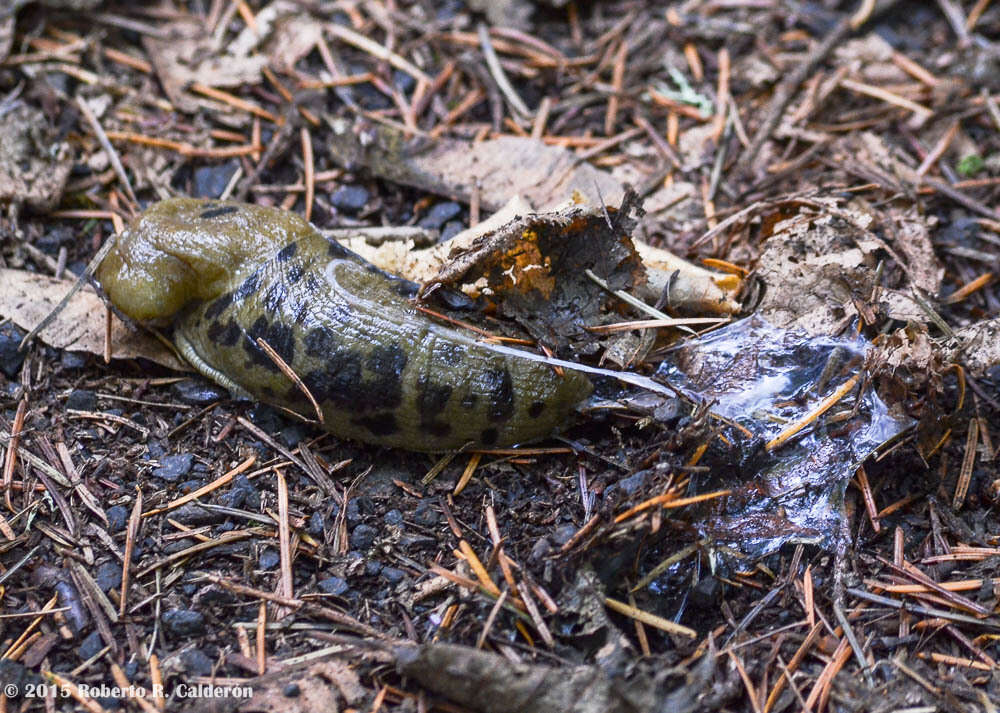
(27, 298)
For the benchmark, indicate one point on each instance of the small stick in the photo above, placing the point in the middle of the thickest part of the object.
(131, 533)
(235, 102)
(657, 622)
(887, 96)
(659, 143)
(286, 583)
(809, 418)
(617, 83)
(499, 76)
(968, 461)
(105, 142)
(786, 90)
(376, 50)
(310, 174)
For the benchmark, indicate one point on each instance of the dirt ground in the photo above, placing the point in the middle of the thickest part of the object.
(829, 171)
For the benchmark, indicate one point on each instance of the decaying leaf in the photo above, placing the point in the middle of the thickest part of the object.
(327, 686)
(535, 269)
(489, 683)
(188, 53)
(34, 164)
(980, 345)
(817, 269)
(503, 167)
(27, 298)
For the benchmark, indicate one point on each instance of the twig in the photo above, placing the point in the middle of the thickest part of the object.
(499, 76)
(102, 138)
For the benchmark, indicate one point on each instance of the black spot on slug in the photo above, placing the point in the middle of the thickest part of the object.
(287, 253)
(294, 274)
(380, 424)
(489, 436)
(536, 408)
(448, 353)
(214, 331)
(275, 297)
(225, 334)
(320, 342)
(335, 249)
(431, 398)
(387, 364)
(231, 334)
(248, 287)
(257, 356)
(218, 306)
(438, 428)
(350, 380)
(405, 288)
(280, 337)
(501, 394)
(216, 212)
(431, 401)
(339, 382)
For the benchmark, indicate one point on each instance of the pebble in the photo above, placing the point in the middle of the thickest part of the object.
(564, 533)
(210, 181)
(291, 690)
(425, 515)
(393, 575)
(440, 214)
(242, 494)
(268, 559)
(108, 576)
(705, 594)
(195, 515)
(266, 418)
(90, 646)
(393, 517)
(350, 199)
(52, 240)
(81, 400)
(198, 392)
(403, 81)
(333, 585)
(10, 358)
(117, 517)
(363, 536)
(196, 662)
(174, 467)
(291, 435)
(73, 360)
(635, 482)
(316, 524)
(451, 229)
(183, 622)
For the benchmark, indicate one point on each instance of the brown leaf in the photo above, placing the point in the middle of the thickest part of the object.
(27, 298)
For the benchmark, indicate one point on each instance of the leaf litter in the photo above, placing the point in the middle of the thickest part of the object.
(849, 208)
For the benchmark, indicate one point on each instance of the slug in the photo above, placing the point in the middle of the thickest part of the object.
(224, 274)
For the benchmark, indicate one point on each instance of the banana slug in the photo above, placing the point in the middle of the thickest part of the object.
(224, 274)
